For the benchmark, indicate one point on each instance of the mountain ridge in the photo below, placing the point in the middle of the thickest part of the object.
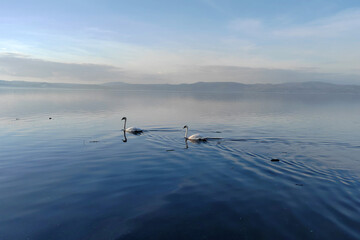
(294, 87)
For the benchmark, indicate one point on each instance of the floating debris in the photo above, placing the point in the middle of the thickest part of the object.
(275, 160)
(299, 184)
(17, 118)
(170, 150)
(50, 118)
(94, 141)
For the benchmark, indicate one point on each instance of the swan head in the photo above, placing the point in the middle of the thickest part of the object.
(124, 118)
(185, 126)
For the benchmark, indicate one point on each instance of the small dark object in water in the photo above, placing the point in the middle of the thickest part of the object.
(275, 160)
(170, 150)
(17, 119)
(95, 141)
(50, 118)
(299, 184)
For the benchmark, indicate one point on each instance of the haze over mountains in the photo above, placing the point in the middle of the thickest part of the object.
(300, 87)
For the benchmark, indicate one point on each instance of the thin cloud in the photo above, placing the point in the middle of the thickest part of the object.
(217, 7)
(245, 25)
(27, 68)
(334, 26)
(239, 44)
(17, 65)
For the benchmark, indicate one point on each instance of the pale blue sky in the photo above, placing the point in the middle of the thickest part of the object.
(180, 41)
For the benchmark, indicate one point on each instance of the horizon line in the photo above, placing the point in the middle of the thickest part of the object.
(176, 84)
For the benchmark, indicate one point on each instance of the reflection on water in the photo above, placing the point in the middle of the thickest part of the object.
(78, 175)
(125, 139)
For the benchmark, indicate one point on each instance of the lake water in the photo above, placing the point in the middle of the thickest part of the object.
(75, 177)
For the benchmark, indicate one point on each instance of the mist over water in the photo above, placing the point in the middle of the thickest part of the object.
(74, 177)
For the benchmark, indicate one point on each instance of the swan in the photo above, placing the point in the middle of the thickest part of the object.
(195, 137)
(133, 130)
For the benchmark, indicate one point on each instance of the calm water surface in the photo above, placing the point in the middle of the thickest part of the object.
(76, 176)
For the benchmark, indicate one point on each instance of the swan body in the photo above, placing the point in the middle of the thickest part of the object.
(131, 129)
(194, 137)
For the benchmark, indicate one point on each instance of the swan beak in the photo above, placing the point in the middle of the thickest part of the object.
(123, 118)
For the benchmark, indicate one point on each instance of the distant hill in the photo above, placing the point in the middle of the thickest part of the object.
(25, 84)
(301, 87)
(196, 87)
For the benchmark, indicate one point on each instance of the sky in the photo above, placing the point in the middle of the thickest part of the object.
(173, 41)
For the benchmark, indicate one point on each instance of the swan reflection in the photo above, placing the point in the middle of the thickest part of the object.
(125, 139)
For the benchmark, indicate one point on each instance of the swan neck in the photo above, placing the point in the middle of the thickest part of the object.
(125, 124)
(186, 132)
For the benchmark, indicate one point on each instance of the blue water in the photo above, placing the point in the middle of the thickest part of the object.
(75, 177)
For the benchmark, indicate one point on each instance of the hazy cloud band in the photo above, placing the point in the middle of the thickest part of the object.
(25, 67)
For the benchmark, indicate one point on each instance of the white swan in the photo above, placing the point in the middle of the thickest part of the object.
(195, 137)
(133, 130)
